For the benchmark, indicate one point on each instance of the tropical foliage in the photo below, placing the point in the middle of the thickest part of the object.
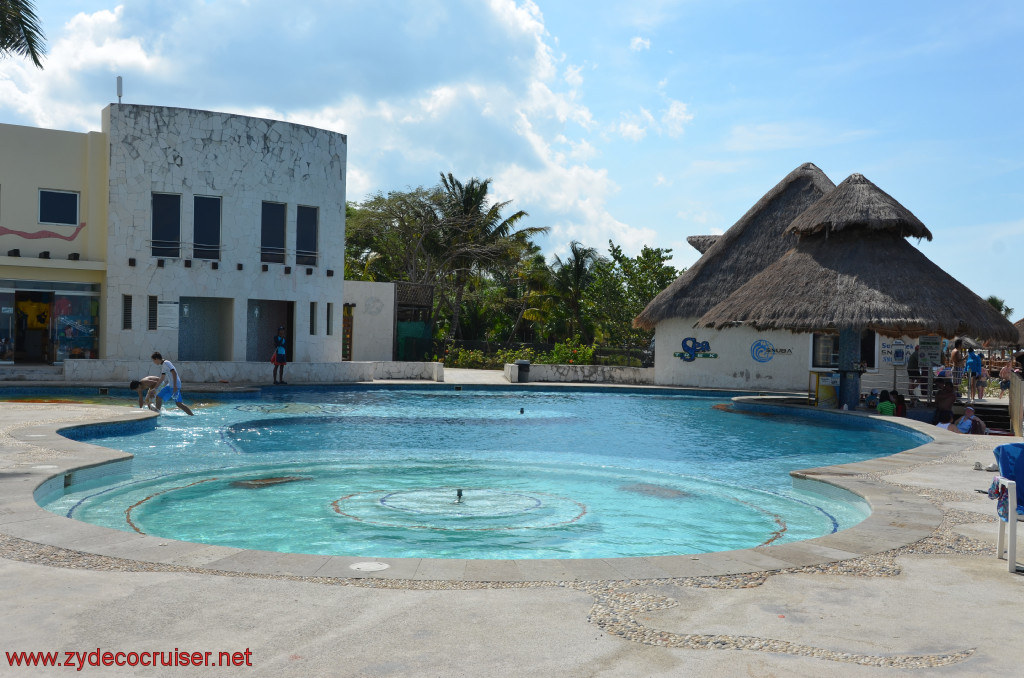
(20, 31)
(493, 286)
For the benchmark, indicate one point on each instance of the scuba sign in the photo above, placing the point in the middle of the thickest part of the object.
(693, 349)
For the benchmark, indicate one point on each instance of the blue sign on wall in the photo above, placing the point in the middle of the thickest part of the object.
(763, 350)
(693, 349)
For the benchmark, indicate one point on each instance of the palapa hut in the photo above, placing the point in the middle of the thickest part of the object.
(852, 269)
(1020, 331)
(752, 243)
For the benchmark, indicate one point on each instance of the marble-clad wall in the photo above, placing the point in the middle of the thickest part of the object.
(244, 161)
(196, 372)
(581, 374)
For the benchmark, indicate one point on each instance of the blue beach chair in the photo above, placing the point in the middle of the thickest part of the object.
(1010, 458)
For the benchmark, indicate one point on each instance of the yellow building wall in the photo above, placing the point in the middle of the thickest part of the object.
(33, 159)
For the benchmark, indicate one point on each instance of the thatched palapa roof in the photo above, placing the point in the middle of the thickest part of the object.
(859, 206)
(751, 244)
(859, 273)
(1020, 331)
(702, 243)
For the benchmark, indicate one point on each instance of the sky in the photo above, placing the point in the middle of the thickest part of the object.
(640, 122)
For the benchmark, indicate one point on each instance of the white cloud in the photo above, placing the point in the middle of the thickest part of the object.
(89, 45)
(528, 20)
(675, 118)
(575, 193)
(660, 180)
(573, 76)
(633, 126)
(638, 44)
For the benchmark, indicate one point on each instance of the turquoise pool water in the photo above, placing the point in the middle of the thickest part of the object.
(376, 472)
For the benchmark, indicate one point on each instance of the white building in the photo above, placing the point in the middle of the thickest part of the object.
(188, 232)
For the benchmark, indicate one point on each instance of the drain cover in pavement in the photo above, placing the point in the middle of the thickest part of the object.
(369, 567)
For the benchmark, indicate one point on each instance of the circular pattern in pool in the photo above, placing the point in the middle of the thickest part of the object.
(479, 473)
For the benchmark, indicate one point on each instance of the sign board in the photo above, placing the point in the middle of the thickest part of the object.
(826, 389)
(930, 352)
(167, 315)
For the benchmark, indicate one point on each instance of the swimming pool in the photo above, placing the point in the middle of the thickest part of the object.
(477, 473)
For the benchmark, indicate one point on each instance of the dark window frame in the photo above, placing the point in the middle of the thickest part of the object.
(307, 234)
(868, 350)
(203, 246)
(164, 223)
(50, 210)
(126, 312)
(273, 231)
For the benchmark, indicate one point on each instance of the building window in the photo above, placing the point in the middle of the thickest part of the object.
(166, 225)
(272, 233)
(825, 350)
(206, 227)
(330, 318)
(126, 311)
(58, 207)
(312, 317)
(869, 349)
(153, 305)
(306, 235)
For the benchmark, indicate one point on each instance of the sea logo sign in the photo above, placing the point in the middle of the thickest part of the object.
(693, 349)
(763, 350)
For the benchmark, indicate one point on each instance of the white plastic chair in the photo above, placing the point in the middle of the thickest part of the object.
(1004, 549)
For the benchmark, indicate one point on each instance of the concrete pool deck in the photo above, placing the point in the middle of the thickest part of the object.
(915, 585)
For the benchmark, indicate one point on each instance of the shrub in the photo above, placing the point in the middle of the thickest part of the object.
(568, 353)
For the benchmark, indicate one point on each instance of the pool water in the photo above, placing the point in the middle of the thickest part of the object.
(478, 473)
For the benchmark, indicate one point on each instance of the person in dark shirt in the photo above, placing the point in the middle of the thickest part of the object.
(278, 359)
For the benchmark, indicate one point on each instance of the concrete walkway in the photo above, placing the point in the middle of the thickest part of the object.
(915, 589)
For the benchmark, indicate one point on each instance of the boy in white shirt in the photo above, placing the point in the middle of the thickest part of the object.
(172, 391)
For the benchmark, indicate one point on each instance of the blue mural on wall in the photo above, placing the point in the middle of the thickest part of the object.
(763, 350)
(693, 349)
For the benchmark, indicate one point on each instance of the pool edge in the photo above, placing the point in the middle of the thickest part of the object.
(898, 518)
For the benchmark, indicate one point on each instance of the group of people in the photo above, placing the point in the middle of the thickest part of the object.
(892, 404)
(967, 363)
(153, 391)
(966, 423)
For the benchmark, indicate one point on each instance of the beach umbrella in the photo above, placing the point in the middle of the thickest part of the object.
(852, 269)
(740, 253)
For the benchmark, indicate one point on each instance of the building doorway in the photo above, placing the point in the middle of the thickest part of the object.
(33, 327)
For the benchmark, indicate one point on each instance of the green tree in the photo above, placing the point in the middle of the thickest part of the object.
(478, 235)
(1000, 305)
(622, 287)
(570, 279)
(448, 236)
(20, 32)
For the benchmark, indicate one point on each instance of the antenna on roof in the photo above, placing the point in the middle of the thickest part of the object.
(119, 89)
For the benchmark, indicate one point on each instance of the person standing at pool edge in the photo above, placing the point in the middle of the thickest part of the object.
(278, 358)
(172, 391)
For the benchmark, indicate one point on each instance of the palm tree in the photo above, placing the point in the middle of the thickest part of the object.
(20, 32)
(476, 233)
(1000, 306)
(570, 279)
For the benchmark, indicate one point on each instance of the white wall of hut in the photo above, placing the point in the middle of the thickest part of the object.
(747, 359)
